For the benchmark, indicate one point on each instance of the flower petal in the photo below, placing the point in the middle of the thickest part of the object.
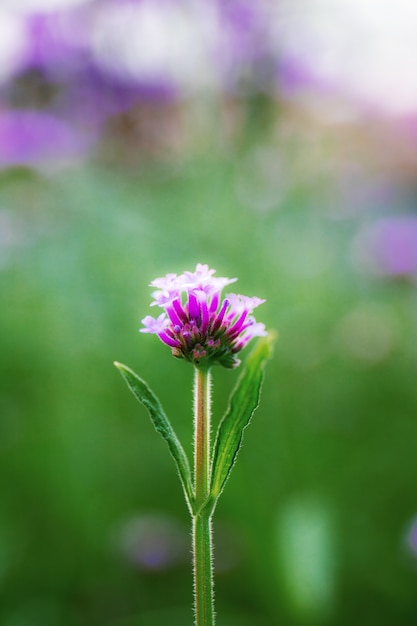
(152, 325)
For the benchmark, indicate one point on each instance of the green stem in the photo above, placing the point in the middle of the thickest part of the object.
(202, 536)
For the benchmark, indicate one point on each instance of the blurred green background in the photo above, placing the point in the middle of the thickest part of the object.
(318, 522)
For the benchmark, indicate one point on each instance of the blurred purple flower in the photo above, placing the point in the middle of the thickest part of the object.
(153, 542)
(389, 247)
(247, 49)
(103, 57)
(31, 138)
(412, 537)
(56, 43)
(60, 52)
(95, 98)
(295, 78)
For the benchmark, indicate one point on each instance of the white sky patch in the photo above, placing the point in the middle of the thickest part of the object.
(12, 44)
(153, 41)
(34, 6)
(367, 48)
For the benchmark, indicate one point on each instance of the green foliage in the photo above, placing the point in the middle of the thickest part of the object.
(146, 396)
(243, 402)
(338, 404)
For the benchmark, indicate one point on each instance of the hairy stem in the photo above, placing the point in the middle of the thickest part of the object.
(202, 535)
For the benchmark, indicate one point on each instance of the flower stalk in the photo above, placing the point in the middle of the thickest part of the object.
(202, 516)
(202, 418)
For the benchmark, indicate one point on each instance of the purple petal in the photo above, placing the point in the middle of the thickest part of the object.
(237, 326)
(173, 316)
(219, 319)
(173, 343)
(167, 282)
(214, 302)
(205, 317)
(179, 310)
(193, 306)
(152, 325)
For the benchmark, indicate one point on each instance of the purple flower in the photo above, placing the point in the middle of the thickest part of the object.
(33, 137)
(389, 247)
(197, 323)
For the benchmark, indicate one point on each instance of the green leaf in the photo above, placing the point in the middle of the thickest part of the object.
(146, 396)
(243, 402)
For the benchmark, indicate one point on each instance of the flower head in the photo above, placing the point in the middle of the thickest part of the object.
(197, 323)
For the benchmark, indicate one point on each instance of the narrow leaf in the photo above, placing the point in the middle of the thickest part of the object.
(243, 402)
(146, 396)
